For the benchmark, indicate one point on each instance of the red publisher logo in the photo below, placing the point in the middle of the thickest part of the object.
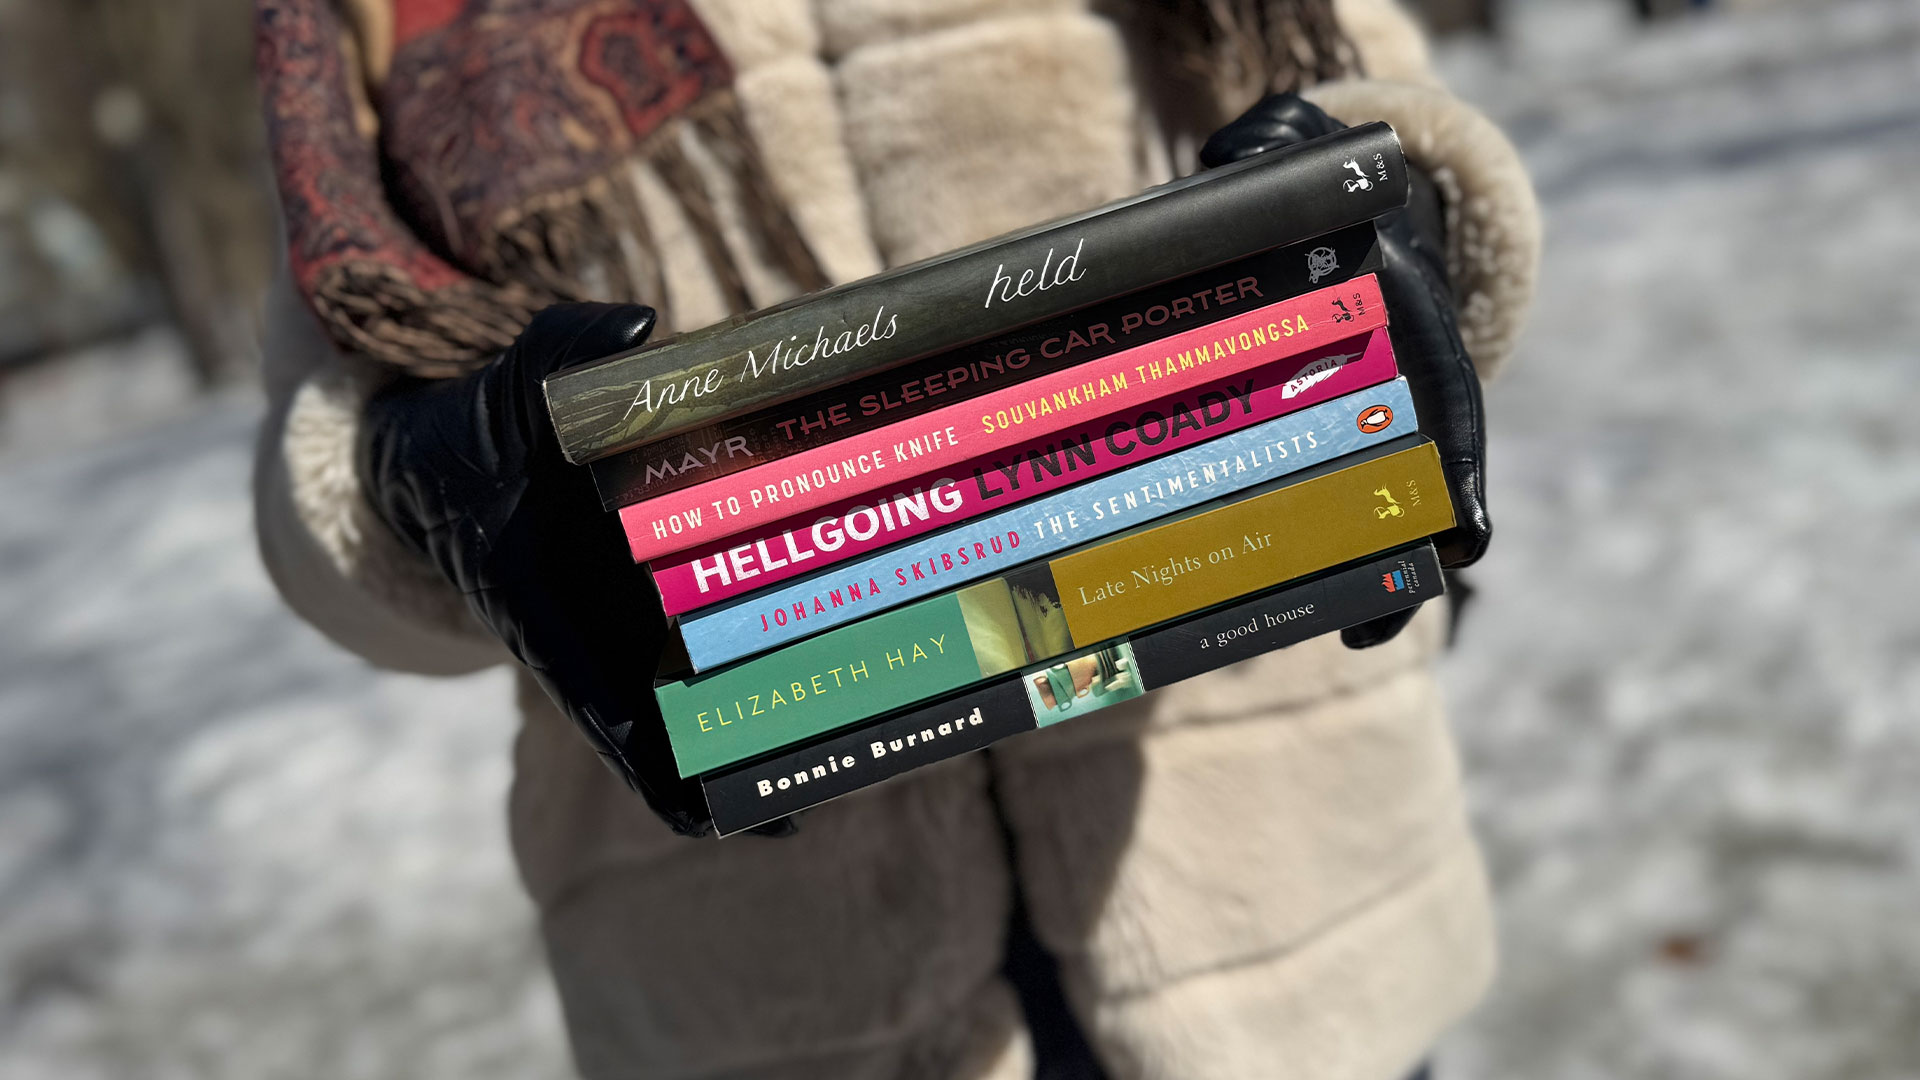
(1375, 418)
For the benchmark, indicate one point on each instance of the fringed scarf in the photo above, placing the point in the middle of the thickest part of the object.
(1228, 54)
(483, 178)
(449, 167)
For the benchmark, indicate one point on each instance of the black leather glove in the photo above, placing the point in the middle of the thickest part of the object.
(1421, 322)
(468, 474)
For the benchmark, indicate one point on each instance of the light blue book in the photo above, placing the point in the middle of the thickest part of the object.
(945, 560)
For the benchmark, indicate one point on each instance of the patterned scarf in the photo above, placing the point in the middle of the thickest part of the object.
(438, 196)
(449, 167)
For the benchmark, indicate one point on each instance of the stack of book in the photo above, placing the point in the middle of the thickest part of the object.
(897, 520)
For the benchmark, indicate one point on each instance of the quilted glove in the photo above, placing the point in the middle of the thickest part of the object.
(468, 474)
(1422, 324)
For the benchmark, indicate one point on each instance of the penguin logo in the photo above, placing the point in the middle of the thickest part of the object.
(1375, 418)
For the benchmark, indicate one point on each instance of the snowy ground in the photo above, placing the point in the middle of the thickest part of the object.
(1690, 701)
(1688, 697)
(227, 850)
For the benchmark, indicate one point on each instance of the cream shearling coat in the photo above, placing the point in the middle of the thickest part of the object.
(1265, 872)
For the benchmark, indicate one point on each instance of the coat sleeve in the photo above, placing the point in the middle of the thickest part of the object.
(333, 561)
(1492, 216)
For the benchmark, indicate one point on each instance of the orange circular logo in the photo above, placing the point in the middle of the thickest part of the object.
(1375, 418)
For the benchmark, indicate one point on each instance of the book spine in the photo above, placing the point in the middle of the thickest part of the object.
(949, 436)
(1277, 618)
(757, 360)
(1066, 519)
(1209, 558)
(741, 442)
(809, 543)
(827, 768)
(926, 649)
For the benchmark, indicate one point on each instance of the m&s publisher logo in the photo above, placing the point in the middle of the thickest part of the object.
(1375, 418)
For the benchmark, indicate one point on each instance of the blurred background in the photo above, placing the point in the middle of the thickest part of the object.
(1689, 691)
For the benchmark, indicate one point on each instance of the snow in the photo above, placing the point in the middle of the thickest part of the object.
(1689, 699)
(228, 849)
(1686, 696)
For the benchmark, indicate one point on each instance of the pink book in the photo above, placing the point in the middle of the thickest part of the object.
(946, 438)
(810, 542)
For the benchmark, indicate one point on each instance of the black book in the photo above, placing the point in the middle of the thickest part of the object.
(798, 777)
(761, 359)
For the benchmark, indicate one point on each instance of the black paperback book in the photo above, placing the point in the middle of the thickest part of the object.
(818, 770)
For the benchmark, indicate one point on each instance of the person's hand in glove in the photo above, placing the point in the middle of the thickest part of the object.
(467, 472)
(1421, 322)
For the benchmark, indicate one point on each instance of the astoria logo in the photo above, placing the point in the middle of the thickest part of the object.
(1317, 372)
